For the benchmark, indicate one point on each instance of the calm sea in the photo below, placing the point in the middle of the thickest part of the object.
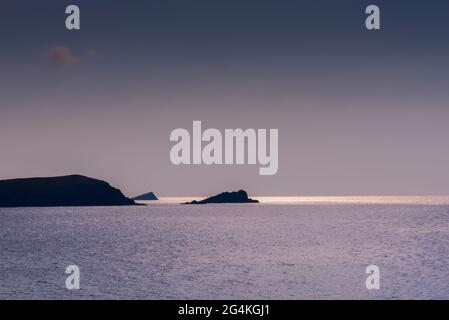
(283, 248)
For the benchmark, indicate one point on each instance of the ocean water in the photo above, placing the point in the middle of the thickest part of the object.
(283, 248)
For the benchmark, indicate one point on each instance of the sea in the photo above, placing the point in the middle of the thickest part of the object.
(282, 248)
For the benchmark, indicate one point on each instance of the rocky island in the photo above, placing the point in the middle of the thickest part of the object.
(240, 196)
(146, 197)
(66, 191)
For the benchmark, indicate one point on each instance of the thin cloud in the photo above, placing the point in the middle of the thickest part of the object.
(61, 54)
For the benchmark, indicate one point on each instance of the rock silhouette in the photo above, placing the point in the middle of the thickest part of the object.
(227, 197)
(66, 191)
(146, 197)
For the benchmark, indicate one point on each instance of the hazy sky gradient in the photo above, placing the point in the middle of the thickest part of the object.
(358, 112)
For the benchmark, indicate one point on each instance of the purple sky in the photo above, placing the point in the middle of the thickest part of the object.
(358, 112)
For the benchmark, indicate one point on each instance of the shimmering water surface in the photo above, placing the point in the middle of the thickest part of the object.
(283, 248)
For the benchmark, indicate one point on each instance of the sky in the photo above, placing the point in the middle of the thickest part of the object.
(359, 112)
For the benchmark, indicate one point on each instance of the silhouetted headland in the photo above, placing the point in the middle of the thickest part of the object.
(227, 197)
(146, 197)
(66, 191)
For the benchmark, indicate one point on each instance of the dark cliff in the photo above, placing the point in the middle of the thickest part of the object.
(66, 191)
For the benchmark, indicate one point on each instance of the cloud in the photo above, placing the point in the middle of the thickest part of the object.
(62, 55)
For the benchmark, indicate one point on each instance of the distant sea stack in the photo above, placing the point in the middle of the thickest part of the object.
(227, 197)
(146, 197)
(66, 191)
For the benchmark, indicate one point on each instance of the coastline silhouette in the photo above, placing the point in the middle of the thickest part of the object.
(81, 191)
(63, 191)
(240, 196)
(150, 196)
